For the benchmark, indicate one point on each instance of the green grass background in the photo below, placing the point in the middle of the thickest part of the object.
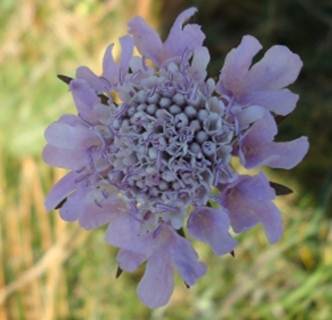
(53, 270)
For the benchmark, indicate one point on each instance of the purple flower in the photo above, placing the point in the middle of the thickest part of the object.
(149, 163)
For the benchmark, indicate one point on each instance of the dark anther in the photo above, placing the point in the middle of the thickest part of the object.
(280, 189)
(60, 204)
(118, 272)
(232, 253)
(187, 285)
(103, 98)
(64, 78)
(181, 232)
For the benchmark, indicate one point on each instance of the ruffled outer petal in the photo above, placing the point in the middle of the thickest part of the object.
(183, 39)
(237, 64)
(156, 286)
(68, 142)
(263, 83)
(73, 207)
(186, 260)
(201, 59)
(280, 102)
(84, 97)
(180, 39)
(146, 39)
(64, 158)
(129, 261)
(95, 82)
(82, 204)
(110, 67)
(115, 72)
(280, 155)
(65, 136)
(124, 232)
(250, 115)
(127, 47)
(94, 215)
(279, 68)
(286, 155)
(257, 147)
(72, 120)
(211, 225)
(266, 128)
(269, 217)
(248, 202)
(180, 20)
(65, 186)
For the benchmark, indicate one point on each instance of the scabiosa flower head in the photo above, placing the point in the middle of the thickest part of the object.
(151, 149)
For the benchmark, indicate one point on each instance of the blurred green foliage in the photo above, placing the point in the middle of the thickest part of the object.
(290, 280)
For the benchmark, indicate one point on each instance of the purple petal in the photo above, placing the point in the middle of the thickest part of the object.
(181, 19)
(146, 39)
(73, 207)
(201, 59)
(156, 286)
(278, 68)
(61, 190)
(250, 115)
(62, 135)
(270, 218)
(248, 202)
(124, 232)
(264, 129)
(181, 40)
(285, 155)
(257, 147)
(280, 102)
(71, 120)
(95, 82)
(129, 261)
(110, 67)
(211, 226)
(237, 64)
(84, 97)
(259, 136)
(127, 46)
(64, 158)
(256, 186)
(186, 260)
(94, 215)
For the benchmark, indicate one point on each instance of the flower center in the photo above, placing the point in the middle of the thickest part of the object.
(170, 149)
